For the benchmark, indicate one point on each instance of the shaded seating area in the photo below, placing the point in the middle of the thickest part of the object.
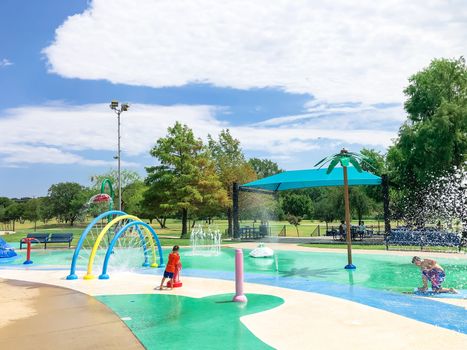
(423, 238)
(356, 232)
(47, 238)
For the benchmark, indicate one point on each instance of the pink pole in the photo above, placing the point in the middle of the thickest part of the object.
(239, 296)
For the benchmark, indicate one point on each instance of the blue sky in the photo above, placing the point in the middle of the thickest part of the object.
(294, 81)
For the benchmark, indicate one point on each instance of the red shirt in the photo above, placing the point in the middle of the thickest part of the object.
(174, 260)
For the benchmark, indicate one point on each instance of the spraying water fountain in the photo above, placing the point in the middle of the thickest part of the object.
(117, 240)
(205, 242)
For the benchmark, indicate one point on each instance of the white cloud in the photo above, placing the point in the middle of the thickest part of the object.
(325, 116)
(334, 49)
(5, 63)
(57, 133)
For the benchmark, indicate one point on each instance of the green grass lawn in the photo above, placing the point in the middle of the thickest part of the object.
(171, 235)
(174, 226)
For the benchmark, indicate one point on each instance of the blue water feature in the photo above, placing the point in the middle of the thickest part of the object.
(6, 251)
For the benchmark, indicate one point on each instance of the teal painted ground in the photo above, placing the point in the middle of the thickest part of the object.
(177, 322)
(386, 272)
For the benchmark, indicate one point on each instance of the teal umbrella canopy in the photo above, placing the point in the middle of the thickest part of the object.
(295, 179)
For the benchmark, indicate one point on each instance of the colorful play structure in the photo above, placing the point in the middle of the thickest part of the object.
(239, 297)
(105, 236)
(103, 197)
(176, 279)
(6, 251)
(28, 241)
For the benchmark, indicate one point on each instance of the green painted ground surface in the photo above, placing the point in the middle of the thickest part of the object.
(388, 272)
(177, 322)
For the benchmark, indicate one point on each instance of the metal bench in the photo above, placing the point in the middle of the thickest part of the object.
(40, 238)
(59, 238)
(423, 238)
(248, 232)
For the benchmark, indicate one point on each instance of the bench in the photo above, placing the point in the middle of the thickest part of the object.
(40, 238)
(248, 232)
(59, 238)
(423, 238)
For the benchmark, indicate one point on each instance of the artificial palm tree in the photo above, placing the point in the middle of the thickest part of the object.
(345, 158)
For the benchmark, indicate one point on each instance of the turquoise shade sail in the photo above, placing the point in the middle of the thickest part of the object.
(295, 179)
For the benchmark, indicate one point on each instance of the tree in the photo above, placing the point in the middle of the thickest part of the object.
(45, 209)
(5, 202)
(345, 158)
(230, 165)
(297, 205)
(187, 171)
(14, 212)
(361, 203)
(330, 206)
(67, 200)
(264, 167)
(32, 211)
(155, 197)
(376, 164)
(133, 197)
(434, 138)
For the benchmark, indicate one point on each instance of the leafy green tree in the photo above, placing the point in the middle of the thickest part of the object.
(32, 211)
(187, 171)
(297, 205)
(14, 212)
(444, 81)
(133, 197)
(4, 203)
(434, 138)
(264, 167)
(155, 197)
(376, 164)
(360, 202)
(230, 166)
(325, 210)
(45, 209)
(67, 200)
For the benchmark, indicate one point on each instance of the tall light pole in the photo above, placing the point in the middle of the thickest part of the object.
(123, 108)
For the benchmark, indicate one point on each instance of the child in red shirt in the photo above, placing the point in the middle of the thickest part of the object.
(174, 261)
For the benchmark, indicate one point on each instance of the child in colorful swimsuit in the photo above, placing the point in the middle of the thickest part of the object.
(174, 261)
(433, 272)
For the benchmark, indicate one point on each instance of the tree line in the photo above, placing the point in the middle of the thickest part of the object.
(192, 179)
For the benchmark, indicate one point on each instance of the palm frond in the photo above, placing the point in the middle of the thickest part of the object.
(332, 165)
(354, 162)
(322, 161)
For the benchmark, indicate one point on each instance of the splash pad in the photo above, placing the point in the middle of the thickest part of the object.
(116, 234)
